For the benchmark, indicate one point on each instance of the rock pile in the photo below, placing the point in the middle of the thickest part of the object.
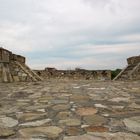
(14, 69)
(132, 71)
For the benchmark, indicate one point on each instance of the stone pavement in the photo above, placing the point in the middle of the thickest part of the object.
(70, 110)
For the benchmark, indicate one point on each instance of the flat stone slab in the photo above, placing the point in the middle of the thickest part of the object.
(84, 137)
(60, 107)
(45, 132)
(36, 123)
(30, 116)
(70, 122)
(86, 111)
(95, 120)
(7, 122)
(96, 129)
(64, 115)
(105, 136)
(133, 124)
(5, 132)
(119, 99)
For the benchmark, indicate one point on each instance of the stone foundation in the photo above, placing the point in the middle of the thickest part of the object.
(14, 69)
(76, 74)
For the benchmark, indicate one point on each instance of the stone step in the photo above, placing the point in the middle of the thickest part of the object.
(27, 71)
(126, 72)
(33, 73)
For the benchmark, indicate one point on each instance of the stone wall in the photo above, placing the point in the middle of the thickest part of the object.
(18, 58)
(75, 74)
(14, 69)
(4, 55)
(133, 60)
(132, 71)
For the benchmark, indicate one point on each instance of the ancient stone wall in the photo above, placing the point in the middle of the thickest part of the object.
(133, 60)
(75, 74)
(4, 55)
(14, 69)
(132, 71)
(18, 58)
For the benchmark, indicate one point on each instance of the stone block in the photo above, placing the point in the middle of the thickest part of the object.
(16, 78)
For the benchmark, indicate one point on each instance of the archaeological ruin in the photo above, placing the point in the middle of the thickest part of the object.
(68, 104)
(131, 71)
(76, 74)
(14, 69)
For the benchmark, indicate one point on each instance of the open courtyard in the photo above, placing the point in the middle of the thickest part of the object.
(70, 110)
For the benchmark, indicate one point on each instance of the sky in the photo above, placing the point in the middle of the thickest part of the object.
(68, 34)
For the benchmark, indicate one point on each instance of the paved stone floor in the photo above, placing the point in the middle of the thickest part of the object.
(70, 110)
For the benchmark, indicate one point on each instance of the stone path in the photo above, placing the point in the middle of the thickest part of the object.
(70, 110)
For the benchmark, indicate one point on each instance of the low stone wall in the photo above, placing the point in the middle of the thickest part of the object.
(49, 73)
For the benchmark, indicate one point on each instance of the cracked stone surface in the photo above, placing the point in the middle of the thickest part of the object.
(70, 110)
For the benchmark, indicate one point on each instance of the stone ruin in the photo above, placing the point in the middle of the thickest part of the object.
(131, 71)
(76, 74)
(14, 69)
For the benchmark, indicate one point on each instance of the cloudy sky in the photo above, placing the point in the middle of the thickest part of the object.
(91, 34)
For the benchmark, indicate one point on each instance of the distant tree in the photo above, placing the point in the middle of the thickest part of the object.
(114, 73)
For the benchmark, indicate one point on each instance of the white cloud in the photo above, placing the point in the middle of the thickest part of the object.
(106, 49)
(84, 27)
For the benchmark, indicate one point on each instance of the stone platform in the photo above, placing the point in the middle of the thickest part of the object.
(70, 110)
(14, 69)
